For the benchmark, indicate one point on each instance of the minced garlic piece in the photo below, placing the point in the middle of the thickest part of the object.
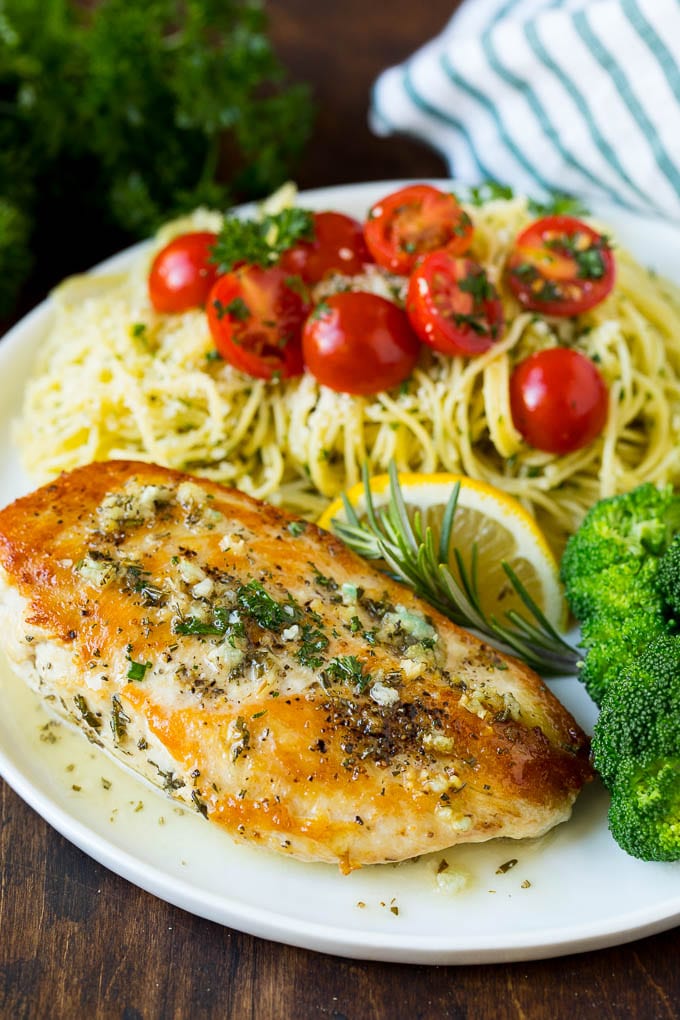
(384, 695)
(438, 742)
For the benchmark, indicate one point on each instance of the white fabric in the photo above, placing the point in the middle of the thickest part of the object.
(575, 96)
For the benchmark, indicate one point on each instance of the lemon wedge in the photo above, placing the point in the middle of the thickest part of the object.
(486, 518)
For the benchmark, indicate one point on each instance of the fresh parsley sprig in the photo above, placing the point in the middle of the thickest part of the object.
(488, 191)
(558, 204)
(434, 567)
(118, 115)
(261, 242)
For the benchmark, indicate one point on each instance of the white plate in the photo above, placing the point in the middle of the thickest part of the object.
(571, 891)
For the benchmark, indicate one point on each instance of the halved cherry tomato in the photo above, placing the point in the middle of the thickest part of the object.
(414, 221)
(561, 266)
(181, 274)
(256, 320)
(452, 305)
(338, 247)
(558, 400)
(355, 342)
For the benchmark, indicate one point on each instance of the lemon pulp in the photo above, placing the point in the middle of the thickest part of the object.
(488, 520)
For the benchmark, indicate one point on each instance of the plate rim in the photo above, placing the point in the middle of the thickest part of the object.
(545, 942)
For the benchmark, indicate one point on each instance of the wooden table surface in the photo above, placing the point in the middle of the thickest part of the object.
(77, 941)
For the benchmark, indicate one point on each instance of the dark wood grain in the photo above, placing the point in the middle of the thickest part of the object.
(76, 941)
(339, 48)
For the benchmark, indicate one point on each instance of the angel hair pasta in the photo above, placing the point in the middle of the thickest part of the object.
(115, 379)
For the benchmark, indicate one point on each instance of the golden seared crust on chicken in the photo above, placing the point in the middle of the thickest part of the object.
(260, 671)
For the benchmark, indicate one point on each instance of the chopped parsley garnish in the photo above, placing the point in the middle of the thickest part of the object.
(137, 670)
(194, 625)
(321, 310)
(478, 286)
(170, 780)
(478, 325)
(90, 718)
(463, 225)
(119, 718)
(201, 806)
(261, 242)
(298, 286)
(312, 644)
(151, 594)
(297, 528)
(348, 669)
(525, 271)
(559, 204)
(238, 309)
(487, 192)
(323, 580)
(591, 265)
(543, 289)
(266, 611)
(586, 252)
(549, 291)
(243, 742)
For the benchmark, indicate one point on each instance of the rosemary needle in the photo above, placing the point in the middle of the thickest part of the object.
(434, 567)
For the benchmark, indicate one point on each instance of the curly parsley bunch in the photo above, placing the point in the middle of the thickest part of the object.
(117, 116)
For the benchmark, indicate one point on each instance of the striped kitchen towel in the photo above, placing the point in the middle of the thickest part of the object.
(575, 96)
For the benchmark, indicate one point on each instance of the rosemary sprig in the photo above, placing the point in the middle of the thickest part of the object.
(424, 562)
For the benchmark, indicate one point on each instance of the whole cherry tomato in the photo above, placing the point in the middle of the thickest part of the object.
(560, 266)
(414, 221)
(338, 247)
(558, 400)
(355, 342)
(181, 274)
(452, 305)
(256, 318)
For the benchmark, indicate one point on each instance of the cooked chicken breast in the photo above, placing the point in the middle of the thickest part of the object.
(262, 673)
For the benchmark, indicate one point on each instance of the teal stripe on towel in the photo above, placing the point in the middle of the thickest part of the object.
(609, 63)
(445, 118)
(484, 100)
(547, 126)
(569, 85)
(655, 44)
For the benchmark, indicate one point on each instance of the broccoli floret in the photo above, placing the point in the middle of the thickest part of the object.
(622, 575)
(616, 591)
(613, 641)
(636, 749)
(610, 569)
(630, 526)
(620, 612)
(668, 577)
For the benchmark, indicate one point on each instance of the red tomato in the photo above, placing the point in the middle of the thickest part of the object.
(338, 247)
(414, 221)
(359, 343)
(452, 306)
(256, 320)
(561, 266)
(558, 400)
(181, 274)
